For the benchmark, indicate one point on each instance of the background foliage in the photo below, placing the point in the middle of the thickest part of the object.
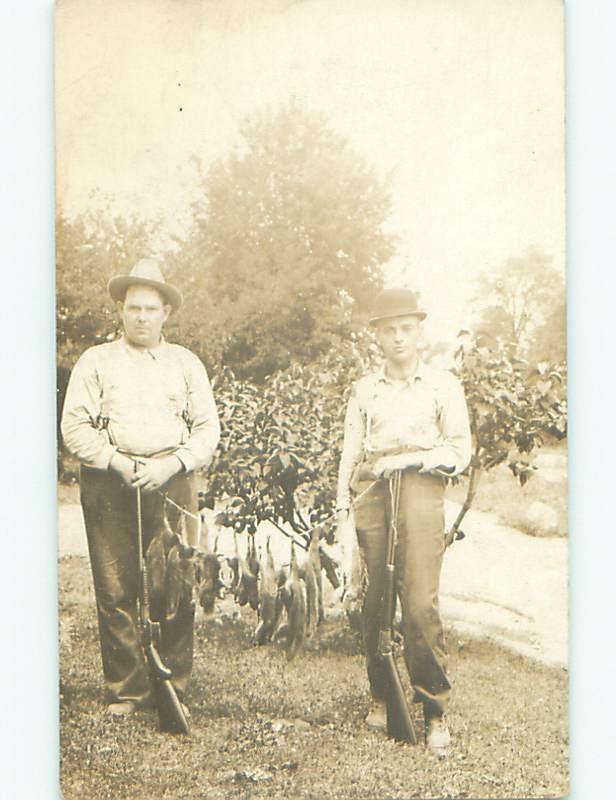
(288, 236)
(522, 306)
(288, 230)
(281, 441)
(90, 249)
(280, 444)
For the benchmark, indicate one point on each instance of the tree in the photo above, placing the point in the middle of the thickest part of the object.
(513, 409)
(287, 232)
(550, 339)
(517, 299)
(90, 249)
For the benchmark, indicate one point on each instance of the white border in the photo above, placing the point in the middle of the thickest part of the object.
(29, 729)
(28, 636)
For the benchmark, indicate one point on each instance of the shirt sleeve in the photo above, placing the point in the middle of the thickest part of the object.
(453, 452)
(80, 427)
(354, 430)
(203, 420)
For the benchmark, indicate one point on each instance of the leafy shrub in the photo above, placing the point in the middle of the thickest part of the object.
(281, 440)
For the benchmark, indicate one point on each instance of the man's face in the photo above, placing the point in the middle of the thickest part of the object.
(143, 315)
(398, 338)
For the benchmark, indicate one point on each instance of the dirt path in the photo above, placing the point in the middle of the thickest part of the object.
(497, 583)
(509, 586)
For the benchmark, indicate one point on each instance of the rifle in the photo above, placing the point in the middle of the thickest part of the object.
(172, 716)
(399, 722)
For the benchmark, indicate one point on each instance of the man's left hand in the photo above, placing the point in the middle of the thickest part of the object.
(387, 465)
(155, 472)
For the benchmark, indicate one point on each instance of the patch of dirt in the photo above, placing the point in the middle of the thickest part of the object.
(503, 584)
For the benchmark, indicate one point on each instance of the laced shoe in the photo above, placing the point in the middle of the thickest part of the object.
(376, 719)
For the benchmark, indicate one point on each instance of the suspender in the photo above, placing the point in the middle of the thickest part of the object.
(102, 421)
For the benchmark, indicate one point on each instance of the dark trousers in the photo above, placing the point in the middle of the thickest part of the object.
(418, 567)
(110, 514)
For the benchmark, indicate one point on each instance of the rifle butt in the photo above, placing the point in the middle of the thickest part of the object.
(172, 717)
(399, 721)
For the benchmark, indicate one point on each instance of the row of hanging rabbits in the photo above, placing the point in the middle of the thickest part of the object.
(287, 597)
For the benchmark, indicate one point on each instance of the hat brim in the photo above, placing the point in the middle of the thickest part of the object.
(420, 314)
(117, 289)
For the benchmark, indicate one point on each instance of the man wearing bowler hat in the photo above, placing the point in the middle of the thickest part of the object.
(139, 414)
(411, 418)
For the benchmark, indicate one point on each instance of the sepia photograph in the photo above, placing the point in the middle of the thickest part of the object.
(311, 379)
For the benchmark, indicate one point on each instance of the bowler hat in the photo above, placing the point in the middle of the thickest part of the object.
(395, 303)
(145, 273)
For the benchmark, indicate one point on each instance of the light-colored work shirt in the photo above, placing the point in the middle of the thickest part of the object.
(141, 402)
(425, 414)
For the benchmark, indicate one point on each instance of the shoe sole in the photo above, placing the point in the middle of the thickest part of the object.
(376, 728)
(126, 713)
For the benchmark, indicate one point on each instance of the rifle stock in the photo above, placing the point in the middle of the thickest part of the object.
(171, 713)
(399, 722)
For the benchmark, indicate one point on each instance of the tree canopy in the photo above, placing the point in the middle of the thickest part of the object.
(288, 230)
(522, 305)
(90, 249)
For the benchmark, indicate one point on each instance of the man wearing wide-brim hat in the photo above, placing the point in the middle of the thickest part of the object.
(411, 418)
(138, 414)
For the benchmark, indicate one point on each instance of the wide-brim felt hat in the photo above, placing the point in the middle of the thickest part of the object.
(392, 303)
(146, 272)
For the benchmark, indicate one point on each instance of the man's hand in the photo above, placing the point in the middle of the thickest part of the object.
(152, 473)
(123, 466)
(387, 465)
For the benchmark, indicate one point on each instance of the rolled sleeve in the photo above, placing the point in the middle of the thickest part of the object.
(198, 451)
(80, 428)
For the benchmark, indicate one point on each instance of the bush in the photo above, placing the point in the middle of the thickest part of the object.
(280, 447)
(281, 440)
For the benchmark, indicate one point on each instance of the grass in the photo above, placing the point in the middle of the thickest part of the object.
(266, 728)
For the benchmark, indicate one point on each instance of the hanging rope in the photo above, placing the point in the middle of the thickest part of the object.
(183, 510)
(450, 536)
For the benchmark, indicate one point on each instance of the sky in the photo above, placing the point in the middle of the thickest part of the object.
(462, 101)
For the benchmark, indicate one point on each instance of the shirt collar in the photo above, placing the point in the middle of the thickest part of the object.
(420, 374)
(154, 352)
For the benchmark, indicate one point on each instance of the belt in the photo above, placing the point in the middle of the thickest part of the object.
(167, 451)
